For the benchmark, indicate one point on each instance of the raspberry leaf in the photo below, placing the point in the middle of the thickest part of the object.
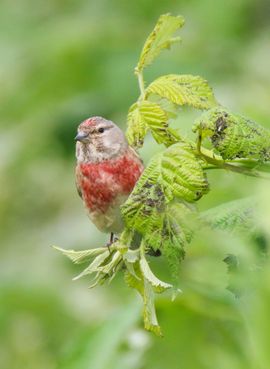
(145, 115)
(183, 90)
(159, 39)
(137, 127)
(79, 257)
(234, 136)
(174, 173)
(160, 206)
(232, 216)
(157, 285)
(95, 265)
(145, 289)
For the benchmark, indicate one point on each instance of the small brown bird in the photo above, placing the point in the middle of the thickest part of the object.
(106, 172)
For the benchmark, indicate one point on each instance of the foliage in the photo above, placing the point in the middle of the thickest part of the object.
(62, 62)
(183, 90)
(159, 39)
(232, 216)
(234, 136)
(160, 214)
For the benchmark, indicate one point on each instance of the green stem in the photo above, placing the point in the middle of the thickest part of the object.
(139, 75)
(239, 167)
(252, 164)
(142, 249)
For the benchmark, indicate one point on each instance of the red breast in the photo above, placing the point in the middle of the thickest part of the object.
(101, 183)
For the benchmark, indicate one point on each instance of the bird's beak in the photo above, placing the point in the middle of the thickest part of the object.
(81, 136)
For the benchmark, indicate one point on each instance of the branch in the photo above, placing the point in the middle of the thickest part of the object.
(242, 166)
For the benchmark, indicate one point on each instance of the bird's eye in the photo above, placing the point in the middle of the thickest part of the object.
(101, 130)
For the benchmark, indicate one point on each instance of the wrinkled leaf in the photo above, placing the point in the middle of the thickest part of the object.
(160, 39)
(79, 257)
(234, 136)
(147, 273)
(183, 90)
(146, 291)
(137, 127)
(145, 115)
(95, 265)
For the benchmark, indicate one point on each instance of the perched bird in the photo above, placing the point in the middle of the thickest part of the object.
(106, 172)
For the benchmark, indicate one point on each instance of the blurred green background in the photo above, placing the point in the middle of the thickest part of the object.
(62, 61)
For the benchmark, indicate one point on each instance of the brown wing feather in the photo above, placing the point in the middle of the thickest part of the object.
(77, 174)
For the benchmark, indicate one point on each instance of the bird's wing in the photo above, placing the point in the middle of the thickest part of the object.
(77, 181)
(79, 190)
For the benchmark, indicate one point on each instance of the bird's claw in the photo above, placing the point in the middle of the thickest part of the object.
(112, 240)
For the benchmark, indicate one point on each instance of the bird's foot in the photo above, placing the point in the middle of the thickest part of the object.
(111, 241)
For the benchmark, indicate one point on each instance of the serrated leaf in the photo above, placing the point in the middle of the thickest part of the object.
(172, 110)
(183, 90)
(99, 280)
(131, 256)
(173, 235)
(234, 136)
(160, 206)
(149, 312)
(146, 291)
(174, 173)
(236, 215)
(159, 39)
(94, 266)
(137, 127)
(145, 115)
(111, 266)
(79, 257)
(131, 271)
(156, 119)
(134, 279)
(158, 285)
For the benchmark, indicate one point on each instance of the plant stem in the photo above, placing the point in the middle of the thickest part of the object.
(139, 75)
(239, 166)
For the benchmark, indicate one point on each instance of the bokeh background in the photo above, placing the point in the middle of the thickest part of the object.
(62, 61)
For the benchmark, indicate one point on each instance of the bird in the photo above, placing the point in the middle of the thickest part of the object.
(106, 172)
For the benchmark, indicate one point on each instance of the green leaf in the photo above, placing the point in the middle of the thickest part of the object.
(237, 215)
(149, 313)
(174, 173)
(95, 265)
(131, 256)
(99, 280)
(181, 174)
(183, 90)
(137, 127)
(234, 136)
(79, 257)
(157, 120)
(135, 279)
(159, 39)
(147, 273)
(159, 206)
(173, 235)
(145, 289)
(146, 115)
(112, 265)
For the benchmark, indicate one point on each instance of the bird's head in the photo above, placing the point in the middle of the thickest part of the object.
(99, 139)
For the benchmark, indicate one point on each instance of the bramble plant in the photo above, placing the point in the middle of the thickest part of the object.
(160, 214)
